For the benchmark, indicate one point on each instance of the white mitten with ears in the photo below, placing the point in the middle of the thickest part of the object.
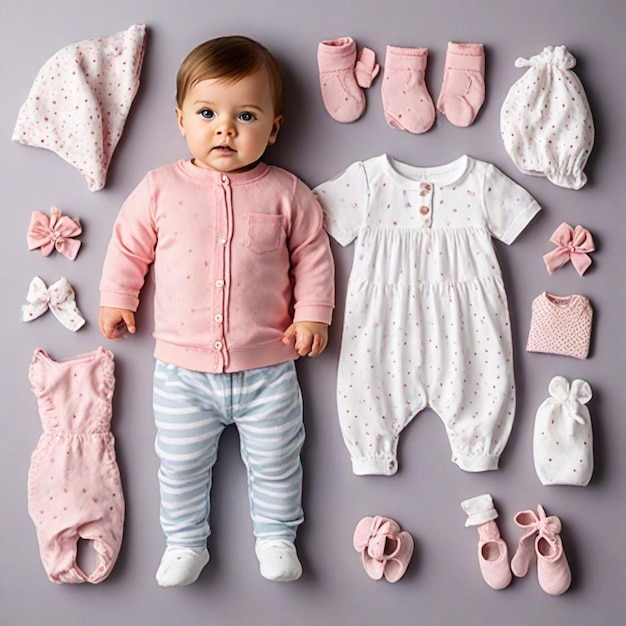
(563, 439)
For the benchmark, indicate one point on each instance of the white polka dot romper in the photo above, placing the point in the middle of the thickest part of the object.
(426, 320)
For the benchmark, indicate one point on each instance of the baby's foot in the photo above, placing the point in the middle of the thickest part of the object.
(181, 566)
(278, 560)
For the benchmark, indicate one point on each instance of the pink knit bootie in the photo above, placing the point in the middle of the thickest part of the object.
(463, 89)
(406, 102)
(385, 549)
(342, 76)
(553, 572)
(493, 557)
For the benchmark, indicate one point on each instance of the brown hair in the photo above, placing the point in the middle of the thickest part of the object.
(231, 58)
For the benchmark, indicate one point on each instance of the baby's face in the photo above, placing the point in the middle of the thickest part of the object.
(228, 125)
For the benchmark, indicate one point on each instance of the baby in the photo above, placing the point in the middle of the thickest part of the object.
(244, 284)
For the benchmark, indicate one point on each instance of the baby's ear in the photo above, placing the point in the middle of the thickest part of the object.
(179, 118)
(275, 128)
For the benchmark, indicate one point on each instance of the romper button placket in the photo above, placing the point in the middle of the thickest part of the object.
(218, 345)
(424, 210)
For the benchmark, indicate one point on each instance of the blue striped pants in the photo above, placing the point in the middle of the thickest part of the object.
(191, 409)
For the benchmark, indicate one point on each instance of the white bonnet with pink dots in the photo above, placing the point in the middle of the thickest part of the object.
(79, 102)
(545, 120)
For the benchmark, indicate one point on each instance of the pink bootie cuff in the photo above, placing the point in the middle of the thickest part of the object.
(397, 58)
(335, 55)
(466, 56)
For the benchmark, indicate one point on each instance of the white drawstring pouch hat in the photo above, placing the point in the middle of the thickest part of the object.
(563, 439)
(79, 102)
(545, 120)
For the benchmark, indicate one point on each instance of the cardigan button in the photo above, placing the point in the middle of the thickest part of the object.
(424, 210)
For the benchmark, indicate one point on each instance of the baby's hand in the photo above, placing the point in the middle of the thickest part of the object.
(310, 337)
(114, 322)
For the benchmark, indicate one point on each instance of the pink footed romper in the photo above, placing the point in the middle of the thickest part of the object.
(74, 486)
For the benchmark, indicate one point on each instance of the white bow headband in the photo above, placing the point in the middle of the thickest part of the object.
(59, 298)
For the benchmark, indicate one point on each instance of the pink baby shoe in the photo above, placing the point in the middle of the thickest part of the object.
(493, 556)
(385, 549)
(553, 572)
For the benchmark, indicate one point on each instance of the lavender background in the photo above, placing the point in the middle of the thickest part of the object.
(443, 585)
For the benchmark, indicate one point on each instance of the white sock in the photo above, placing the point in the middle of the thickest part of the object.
(181, 566)
(278, 559)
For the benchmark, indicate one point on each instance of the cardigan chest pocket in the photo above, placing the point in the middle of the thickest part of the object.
(264, 232)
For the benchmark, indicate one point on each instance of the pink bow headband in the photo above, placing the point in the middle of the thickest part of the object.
(54, 232)
(572, 244)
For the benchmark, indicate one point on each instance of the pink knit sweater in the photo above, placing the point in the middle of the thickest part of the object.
(237, 258)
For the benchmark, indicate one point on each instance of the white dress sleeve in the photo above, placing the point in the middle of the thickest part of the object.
(344, 201)
(508, 207)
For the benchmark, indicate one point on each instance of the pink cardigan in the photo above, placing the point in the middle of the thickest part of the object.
(237, 258)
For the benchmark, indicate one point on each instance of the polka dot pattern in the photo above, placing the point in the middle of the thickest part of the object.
(545, 120)
(74, 486)
(426, 320)
(563, 438)
(78, 104)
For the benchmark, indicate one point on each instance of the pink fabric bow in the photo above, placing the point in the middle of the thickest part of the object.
(571, 244)
(385, 549)
(545, 527)
(53, 232)
(371, 534)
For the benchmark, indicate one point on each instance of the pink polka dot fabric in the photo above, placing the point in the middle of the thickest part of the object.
(563, 437)
(79, 102)
(74, 485)
(560, 325)
(545, 120)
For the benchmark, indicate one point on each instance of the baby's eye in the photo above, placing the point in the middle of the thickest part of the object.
(246, 116)
(207, 114)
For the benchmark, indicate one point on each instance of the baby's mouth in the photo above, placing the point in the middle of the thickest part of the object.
(224, 149)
